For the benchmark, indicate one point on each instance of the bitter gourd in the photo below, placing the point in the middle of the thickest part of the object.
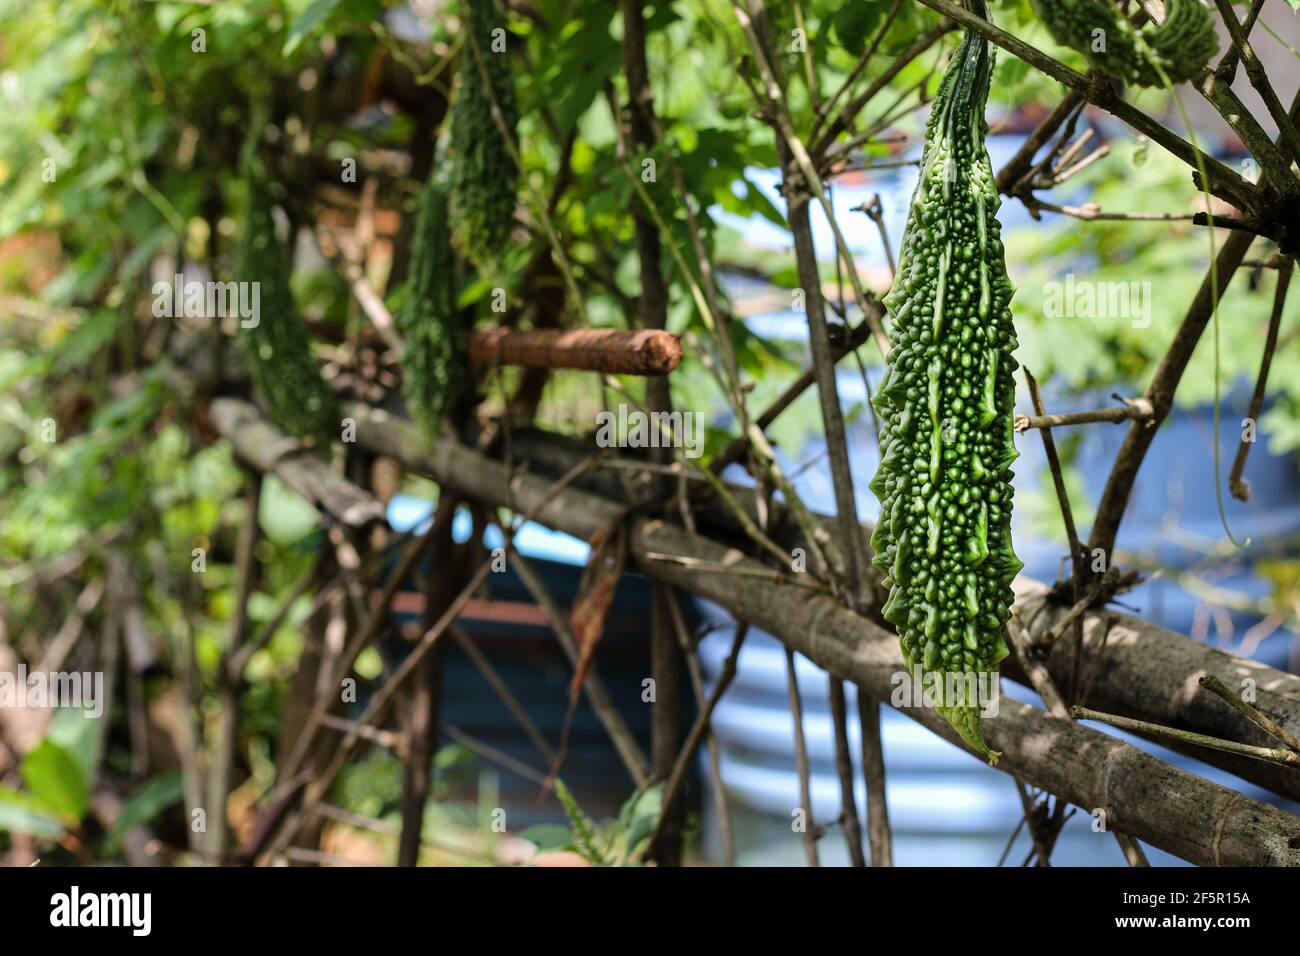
(484, 177)
(284, 372)
(1182, 44)
(434, 349)
(943, 541)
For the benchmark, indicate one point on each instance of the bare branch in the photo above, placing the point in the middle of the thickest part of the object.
(809, 833)
(1251, 712)
(673, 786)
(1160, 393)
(1138, 409)
(1224, 181)
(1239, 487)
(1259, 80)
(1278, 755)
(880, 838)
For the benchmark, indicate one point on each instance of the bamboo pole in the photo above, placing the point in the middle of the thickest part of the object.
(1147, 672)
(262, 446)
(1194, 818)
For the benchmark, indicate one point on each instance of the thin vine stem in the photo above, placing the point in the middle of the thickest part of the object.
(1199, 156)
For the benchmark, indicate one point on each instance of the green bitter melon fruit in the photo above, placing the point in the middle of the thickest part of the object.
(1182, 44)
(434, 351)
(484, 177)
(284, 372)
(943, 541)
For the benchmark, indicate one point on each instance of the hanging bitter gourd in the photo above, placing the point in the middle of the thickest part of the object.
(434, 350)
(1182, 44)
(943, 541)
(284, 372)
(484, 177)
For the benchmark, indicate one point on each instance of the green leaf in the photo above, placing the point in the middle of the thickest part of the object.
(548, 836)
(149, 801)
(53, 776)
(317, 12)
(285, 516)
(20, 813)
(1011, 71)
(854, 22)
(72, 729)
(86, 340)
(639, 817)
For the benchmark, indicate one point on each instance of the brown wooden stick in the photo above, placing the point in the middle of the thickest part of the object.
(1139, 409)
(809, 831)
(651, 352)
(1239, 487)
(421, 722)
(1279, 755)
(699, 731)
(1250, 712)
(1082, 766)
(624, 742)
(880, 838)
(849, 821)
(262, 446)
(1128, 683)
(721, 805)
(226, 745)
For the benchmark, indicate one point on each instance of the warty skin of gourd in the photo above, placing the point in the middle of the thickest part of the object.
(1181, 44)
(943, 541)
(285, 374)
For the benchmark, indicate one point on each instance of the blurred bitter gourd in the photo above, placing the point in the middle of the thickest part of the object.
(284, 372)
(1182, 44)
(434, 351)
(943, 541)
(484, 177)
